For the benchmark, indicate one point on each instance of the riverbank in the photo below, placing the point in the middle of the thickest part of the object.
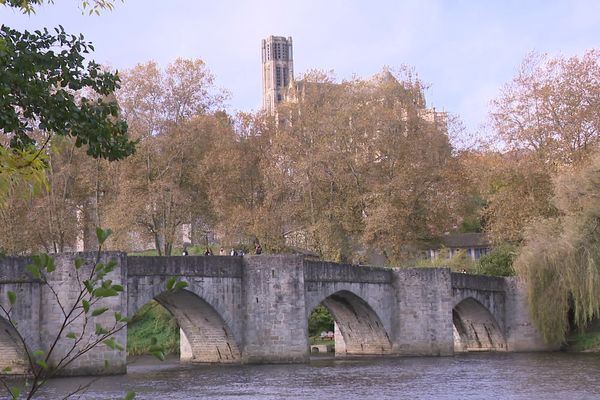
(588, 341)
(152, 321)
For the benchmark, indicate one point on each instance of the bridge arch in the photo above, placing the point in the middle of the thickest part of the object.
(205, 334)
(14, 358)
(359, 330)
(475, 328)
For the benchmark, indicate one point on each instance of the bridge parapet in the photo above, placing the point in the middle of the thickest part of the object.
(477, 282)
(13, 270)
(203, 266)
(321, 271)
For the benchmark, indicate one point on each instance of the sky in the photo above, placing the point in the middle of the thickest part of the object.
(465, 50)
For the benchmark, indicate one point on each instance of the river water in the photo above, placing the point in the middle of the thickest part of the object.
(470, 376)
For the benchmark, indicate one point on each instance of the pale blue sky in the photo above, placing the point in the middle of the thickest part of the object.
(464, 49)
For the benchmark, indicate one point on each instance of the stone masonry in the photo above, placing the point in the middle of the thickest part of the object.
(254, 309)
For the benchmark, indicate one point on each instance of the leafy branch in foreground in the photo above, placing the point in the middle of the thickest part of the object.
(88, 319)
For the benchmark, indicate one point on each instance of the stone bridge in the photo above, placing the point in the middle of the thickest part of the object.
(255, 309)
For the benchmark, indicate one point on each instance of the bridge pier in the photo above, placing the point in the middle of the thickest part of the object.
(521, 333)
(101, 360)
(276, 328)
(39, 313)
(423, 325)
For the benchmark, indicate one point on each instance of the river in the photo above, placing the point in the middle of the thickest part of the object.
(524, 376)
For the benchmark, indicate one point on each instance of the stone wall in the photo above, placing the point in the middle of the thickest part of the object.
(40, 313)
(478, 312)
(423, 324)
(101, 360)
(362, 301)
(215, 280)
(255, 309)
(276, 327)
(521, 333)
(25, 312)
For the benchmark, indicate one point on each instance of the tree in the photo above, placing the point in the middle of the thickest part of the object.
(552, 108)
(561, 256)
(46, 89)
(517, 188)
(238, 195)
(499, 262)
(164, 185)
(40, 76)
(359, 165)
(548, 119)
(28, 6)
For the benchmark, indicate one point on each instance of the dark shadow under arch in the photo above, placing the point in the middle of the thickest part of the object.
(475, 328)
(13, 358)
(358, 328)
(204, 335)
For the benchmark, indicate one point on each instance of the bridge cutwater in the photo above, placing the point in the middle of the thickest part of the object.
(255, 309)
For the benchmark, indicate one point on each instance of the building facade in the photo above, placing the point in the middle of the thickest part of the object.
(277, 70)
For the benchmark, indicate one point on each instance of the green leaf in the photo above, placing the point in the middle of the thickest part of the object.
(7, 369)
(37, 261)
(118, 316)
(109, 267)
(50, 265)
(88, 285)
(102, 235)
(181, 285)
(15, 392)
(100, 267)
(12, 297)
(100, 330)
(129, 396)
(79, 262)
(113, 344)
(71, 335)
(99, 311)
(171, 282)
(159, 354)
(42, 364)
(86, 305)
(34, 270)
(38, 353)
(105, 292)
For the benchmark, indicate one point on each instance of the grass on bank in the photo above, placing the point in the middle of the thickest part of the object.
(152, 320)
(586, 341)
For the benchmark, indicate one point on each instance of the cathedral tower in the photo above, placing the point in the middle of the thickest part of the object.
(277, 70)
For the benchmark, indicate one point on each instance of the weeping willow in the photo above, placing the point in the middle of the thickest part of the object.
(561, 258)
